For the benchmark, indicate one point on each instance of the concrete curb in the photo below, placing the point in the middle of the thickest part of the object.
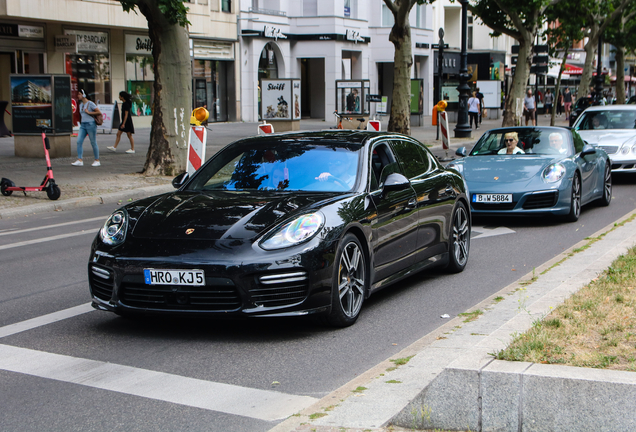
(73, 203)
(453, 383)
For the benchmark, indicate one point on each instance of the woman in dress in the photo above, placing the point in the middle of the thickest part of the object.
(126, 123)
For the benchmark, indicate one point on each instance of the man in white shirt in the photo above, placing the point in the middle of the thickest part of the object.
(529, 108)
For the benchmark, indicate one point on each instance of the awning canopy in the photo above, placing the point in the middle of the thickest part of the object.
(627, 78)
(553, 71)
(573, 70)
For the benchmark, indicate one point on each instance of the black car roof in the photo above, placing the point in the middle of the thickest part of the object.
(343, 137)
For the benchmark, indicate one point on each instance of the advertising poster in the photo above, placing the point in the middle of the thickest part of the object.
(276, 97)
(63, 105)
(30, 101)
(142, 96)
(417, 96)
(107, 112)
(296, 98)
(349, 97)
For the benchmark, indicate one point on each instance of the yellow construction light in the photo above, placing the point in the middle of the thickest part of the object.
(199, 115)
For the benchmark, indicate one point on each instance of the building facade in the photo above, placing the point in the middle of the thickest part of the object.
(323, 43)
(112, 51)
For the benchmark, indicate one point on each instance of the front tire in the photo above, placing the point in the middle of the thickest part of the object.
(575, 200)
(459, 242)
(53, 192)
(607, 186)
(349, 283)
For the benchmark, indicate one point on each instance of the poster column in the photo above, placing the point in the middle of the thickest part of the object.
(280, 103)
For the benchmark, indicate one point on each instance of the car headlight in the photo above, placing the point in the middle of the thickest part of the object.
(625, 149)
(553, 173)
(113, 232)
(294, 232)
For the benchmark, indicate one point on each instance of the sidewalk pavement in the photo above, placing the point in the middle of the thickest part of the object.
(118, 178)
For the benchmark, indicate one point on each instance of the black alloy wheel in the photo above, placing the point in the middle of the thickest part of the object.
(607, 186)
(349, 283)
(459, 240)
(575, 200)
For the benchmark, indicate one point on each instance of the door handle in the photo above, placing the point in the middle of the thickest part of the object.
(412, 203)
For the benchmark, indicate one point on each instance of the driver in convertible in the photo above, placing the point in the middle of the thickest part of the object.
(556, 143)
(511, 139)
(340, 171)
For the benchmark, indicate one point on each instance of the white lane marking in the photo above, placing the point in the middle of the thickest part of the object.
(259, 404)
(48, 239)
(487, 232)
(43, 320)
(20, 231)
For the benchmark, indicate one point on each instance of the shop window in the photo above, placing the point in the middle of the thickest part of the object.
(210, 78)
(140, 83)
(91, 73)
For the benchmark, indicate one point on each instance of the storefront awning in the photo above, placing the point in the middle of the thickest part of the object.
(553, 71)
(573, 70)
(627, 78)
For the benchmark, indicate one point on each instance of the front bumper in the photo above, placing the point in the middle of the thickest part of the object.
(291, 282)
(539, 203)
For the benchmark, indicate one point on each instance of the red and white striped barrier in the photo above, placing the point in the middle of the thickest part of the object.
(374, 125)
(265, 128)
(196, 148)
(443, 124)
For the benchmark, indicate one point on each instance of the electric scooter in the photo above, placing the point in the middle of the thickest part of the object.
(7, 187)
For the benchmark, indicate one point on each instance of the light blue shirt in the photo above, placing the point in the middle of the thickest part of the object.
(87, 118)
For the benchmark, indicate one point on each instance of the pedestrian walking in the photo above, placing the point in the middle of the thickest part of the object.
(88, 109)
(473, 110)
(567, 102)
(560, 104)
(126, 123)
(549, 99)
(529, 108)
(480, 96)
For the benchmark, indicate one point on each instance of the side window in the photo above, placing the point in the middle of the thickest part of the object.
(578, 142)
(413, 159)
(383, 163)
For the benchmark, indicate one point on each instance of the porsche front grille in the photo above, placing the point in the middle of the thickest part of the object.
(280, 289)
(218, 294)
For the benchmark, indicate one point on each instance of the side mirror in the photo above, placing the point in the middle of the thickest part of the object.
(179, 180)
(395, 182)
(461, 152)
(587, 150)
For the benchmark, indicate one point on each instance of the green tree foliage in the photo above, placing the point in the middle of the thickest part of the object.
(167, 22)
(599, 14)
(622, 34)
(520, 20)
(564, 28)
(400, 36)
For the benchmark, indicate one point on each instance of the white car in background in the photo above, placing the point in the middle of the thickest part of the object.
(613, 128)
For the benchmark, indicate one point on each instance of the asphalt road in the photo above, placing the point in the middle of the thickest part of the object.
(44, 263)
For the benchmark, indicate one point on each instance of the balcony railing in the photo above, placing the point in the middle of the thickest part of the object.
(267, 11)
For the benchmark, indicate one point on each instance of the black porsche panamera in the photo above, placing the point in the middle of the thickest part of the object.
(285, 225)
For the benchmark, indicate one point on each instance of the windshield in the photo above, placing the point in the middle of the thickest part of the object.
(524, 141)
(583, 103)
(610, 119)
(276, 166)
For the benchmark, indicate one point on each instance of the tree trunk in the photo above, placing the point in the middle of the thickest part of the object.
(590, 51)
(620, 75)
(558, 85)
(513, 110)
(173, 94)
(400, 119)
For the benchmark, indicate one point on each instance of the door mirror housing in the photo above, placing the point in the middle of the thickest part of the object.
(180, 180)
(395, 182)
(461, 152)
(587, 150)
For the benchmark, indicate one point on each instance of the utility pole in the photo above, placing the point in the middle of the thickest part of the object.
(463, 129)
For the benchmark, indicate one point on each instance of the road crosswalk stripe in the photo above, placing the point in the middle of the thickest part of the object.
(230, 399)
(32, 323)
(47, 239)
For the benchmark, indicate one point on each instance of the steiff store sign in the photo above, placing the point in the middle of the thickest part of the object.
(90, 42)
(138, 45)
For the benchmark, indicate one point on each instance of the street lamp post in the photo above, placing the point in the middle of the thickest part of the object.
(599, 77)
(439, 94)
(463, 129)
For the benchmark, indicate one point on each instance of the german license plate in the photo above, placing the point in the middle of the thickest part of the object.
(174, 277)
(492, 198)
